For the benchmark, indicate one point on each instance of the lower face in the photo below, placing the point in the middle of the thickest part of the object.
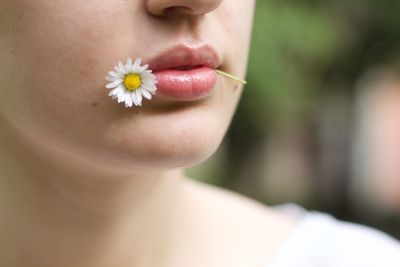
(55, 55)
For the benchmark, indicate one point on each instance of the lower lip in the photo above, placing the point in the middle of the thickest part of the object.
(191, 84)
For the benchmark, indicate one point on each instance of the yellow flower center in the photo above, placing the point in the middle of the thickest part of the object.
(132, 81)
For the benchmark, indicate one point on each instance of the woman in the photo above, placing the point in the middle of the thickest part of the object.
(86, 181)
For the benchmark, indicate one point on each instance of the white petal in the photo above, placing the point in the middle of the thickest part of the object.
(150, 77)
(131, 99)
(120, 93)
(117, 70)
(151, 89)
(128, 101)
(114, 91)
(121, 98)
(129, 63)
(148, 82)
(115, 74)
(114, 83)
(121, 68)
(125, 96)
(130, 69)
(145, 93)
(138, 96)
(144, 68)
(110, 78)
(120, 88)
(135, 100)
(147, 74)
(137, 63)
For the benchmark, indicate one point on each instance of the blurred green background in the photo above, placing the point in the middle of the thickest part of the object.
(300, 131)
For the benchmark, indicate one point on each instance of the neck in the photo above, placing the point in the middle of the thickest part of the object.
(61, 210)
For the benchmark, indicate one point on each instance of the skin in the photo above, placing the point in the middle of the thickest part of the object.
(85, 181)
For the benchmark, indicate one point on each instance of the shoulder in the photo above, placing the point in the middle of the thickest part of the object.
(251, 231)
(322, 240)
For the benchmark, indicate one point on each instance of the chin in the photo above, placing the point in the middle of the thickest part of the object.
(195, 148)
(168, 141)
(171, 151)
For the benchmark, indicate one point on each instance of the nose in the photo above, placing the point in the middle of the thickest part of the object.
(190, 7)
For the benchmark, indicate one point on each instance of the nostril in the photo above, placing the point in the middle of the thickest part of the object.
(177, 9)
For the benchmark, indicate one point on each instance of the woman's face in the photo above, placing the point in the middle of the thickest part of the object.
(55, 54)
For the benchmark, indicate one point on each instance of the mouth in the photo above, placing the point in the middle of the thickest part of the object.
(189, 67)
(186, 73)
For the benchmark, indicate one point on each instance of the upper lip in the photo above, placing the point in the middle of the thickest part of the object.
(183, 56)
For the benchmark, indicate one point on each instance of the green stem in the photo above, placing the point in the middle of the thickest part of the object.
(230, 76)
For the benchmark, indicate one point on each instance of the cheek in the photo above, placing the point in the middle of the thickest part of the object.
(59, 62)
(69, 43)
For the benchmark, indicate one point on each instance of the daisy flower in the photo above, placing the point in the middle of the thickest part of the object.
(131, 82)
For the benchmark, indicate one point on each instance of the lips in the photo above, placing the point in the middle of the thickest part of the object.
(186, 73)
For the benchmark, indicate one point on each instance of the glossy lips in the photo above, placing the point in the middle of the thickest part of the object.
(185, 73)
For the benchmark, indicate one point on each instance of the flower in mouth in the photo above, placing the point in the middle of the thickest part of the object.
(131, 82)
